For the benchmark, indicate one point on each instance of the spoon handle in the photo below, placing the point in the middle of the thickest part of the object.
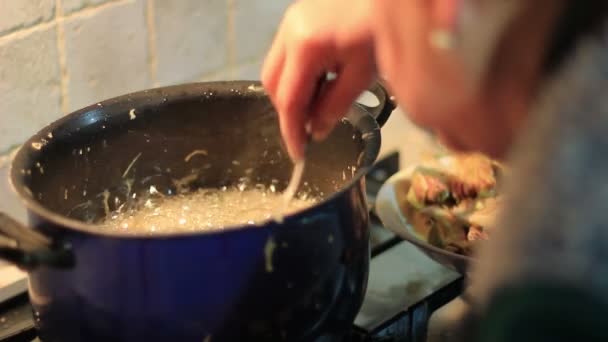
(299, 165)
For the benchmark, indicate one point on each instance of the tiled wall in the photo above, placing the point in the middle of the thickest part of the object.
(60, 55)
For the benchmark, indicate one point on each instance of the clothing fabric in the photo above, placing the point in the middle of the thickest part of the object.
(554, 228)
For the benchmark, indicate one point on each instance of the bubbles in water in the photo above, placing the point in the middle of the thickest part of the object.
(205, 209)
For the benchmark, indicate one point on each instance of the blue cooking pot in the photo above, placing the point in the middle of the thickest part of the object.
(292, 281)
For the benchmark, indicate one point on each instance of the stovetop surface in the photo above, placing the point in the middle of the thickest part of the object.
(405, 286)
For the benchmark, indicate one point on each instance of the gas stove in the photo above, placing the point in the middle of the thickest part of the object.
(409, 296)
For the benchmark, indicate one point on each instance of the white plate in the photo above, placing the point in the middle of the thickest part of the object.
(390, 213)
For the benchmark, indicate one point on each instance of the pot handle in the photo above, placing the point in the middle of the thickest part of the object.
(386, 105)
(29, 249)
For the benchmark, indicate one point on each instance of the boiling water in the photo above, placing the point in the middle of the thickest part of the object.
(205, 209)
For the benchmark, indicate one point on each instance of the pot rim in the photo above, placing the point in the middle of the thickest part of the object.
(363, 122)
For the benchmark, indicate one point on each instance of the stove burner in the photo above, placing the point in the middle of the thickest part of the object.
(16, 321)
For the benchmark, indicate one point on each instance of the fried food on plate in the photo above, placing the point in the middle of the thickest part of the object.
(456, 200)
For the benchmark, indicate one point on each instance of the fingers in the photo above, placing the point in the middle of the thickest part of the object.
(337, 98)
(294, 93)
(445, 14)
(314, 38)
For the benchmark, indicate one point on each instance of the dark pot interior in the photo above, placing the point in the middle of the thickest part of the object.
(94, 160)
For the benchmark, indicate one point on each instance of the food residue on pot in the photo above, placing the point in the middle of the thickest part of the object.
(256, 88)
(40, 168)
(269, 248)
(194, 153)
(28, 191)
(130, 165)
(106, 205)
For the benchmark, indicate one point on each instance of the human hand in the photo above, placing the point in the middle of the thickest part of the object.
(316, 37)
(464, 69)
